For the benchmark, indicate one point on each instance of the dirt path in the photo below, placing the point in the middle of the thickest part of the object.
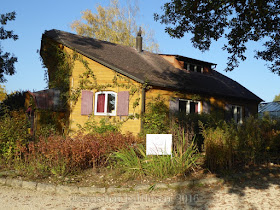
(214, 197)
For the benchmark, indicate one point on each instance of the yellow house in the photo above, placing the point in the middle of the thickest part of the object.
(99, 79)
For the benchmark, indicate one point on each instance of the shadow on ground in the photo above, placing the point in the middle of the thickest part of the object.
(233, 183)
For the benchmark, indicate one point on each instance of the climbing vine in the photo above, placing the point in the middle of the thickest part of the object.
(61, 64)
(88, 81)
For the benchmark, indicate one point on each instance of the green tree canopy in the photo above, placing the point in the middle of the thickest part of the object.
(6, 59)
(114, 24)
(277, 98)
(238, 21)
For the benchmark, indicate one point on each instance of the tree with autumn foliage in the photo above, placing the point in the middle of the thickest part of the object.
(3, 93)
(114, 24)
(277, 98)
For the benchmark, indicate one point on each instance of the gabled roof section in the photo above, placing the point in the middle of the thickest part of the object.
(150, 68)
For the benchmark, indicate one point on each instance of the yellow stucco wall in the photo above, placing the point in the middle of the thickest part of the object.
(216, 103)
(167, 95)
(103, 76)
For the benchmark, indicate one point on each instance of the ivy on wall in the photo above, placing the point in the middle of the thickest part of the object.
(60, 65)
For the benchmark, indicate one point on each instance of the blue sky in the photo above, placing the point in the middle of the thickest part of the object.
(34, 17)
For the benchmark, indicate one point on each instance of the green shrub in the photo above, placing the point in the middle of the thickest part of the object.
(130, 160)
(155, 119)
(251, 140)
(191, 123)
(46, 130)
(185, 151)
(13, 132)
(48, 124)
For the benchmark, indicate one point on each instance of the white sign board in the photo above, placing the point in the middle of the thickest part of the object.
(159, 144)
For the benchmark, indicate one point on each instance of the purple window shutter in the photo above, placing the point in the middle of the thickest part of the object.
(123, 103)
(87, 100)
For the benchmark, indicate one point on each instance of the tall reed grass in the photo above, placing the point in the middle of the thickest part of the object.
(230, 145)
(134, 161)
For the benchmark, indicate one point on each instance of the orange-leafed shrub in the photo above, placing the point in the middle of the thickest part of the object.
(60, 156)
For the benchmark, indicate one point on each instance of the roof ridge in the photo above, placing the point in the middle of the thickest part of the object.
(84, 36)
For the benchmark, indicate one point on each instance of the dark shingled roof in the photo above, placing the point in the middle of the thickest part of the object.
(151, 68)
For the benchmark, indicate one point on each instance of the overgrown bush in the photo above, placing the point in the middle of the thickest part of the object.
(61, 156)
(191, 123)
(13, 102)
(49, 124)
(155, 118)
(219, 147)
(13, 132)
(158, 120)
(255, 141)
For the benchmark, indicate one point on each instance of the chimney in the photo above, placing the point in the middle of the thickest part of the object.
(139, 41)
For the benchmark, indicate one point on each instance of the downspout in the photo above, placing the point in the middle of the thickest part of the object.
(143, 107)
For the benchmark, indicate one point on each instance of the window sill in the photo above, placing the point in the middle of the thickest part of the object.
(105, 114)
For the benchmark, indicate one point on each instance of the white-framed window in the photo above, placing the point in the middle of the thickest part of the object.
(105, 103)
(236, 113)
(189, 106)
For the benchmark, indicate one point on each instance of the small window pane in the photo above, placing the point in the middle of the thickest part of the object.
(191, 67)
(192, 107)
(100, 103)
(198, 69)
(111, 103)
(186, 66)
(196, 107)
(238, 114)
(182, 106)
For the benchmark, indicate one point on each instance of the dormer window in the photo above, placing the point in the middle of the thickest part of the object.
(190, 64)
(194, 68)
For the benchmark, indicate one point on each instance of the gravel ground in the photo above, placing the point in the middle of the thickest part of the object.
(211, 197)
